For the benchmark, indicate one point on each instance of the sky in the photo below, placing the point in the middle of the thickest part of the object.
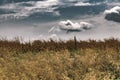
(60, 19)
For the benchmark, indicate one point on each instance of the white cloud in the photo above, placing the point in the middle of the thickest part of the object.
(54, 37)
(54, 29)
(46, 4)
(67, 25)
(83, 4)
(115, 9)
(21, 11)
(71, 26)
(87, 3)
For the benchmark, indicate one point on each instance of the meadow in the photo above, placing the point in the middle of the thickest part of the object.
(60, 60)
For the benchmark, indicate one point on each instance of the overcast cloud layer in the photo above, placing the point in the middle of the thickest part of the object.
(44, 19)
(48, 9)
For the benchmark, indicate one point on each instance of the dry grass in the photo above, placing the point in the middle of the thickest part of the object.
(50, 60)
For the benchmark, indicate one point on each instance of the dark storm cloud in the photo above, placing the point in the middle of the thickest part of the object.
(72, 11)
(94, 1)
(34, 10)
(15, 1)
(113, 14)
(48, 10)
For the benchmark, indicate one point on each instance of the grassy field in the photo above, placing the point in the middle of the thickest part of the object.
(51, 60)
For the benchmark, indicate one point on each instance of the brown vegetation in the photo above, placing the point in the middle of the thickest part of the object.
(51, 60)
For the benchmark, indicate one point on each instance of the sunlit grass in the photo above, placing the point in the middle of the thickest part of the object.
(51, 60)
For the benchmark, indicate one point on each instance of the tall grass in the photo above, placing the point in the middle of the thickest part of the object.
(63, 60)
(71, 45)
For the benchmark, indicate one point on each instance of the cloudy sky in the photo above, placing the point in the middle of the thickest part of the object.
(44, 19)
